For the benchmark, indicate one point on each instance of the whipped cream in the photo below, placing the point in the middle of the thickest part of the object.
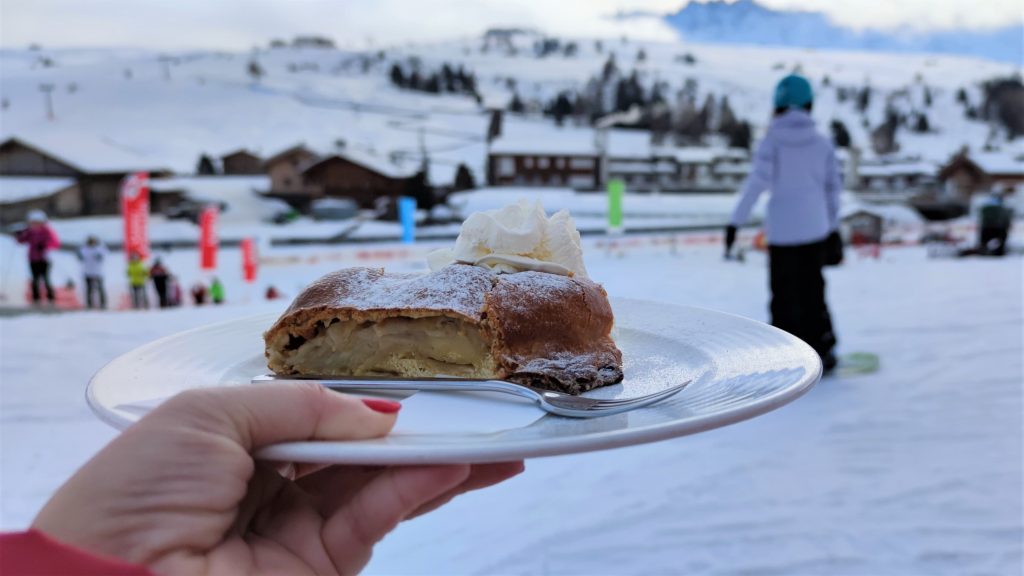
(516, 238)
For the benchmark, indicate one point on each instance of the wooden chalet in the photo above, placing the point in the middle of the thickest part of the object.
(241, 162)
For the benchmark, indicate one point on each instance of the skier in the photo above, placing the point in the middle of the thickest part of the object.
(40, 239)
(199, 294)
(92, 255)
(175, 291)
(799, 166)
(160, 275)
(137, 276)
(217, 291)
(994, 225)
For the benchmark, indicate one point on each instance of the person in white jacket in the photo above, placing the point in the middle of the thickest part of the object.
(799, 167)
(92, 255)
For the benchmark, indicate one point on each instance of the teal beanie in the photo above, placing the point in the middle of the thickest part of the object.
(793, 91)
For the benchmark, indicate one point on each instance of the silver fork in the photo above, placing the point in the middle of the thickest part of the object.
(554, 402)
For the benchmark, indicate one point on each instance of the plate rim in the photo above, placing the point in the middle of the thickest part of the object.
(365, 452)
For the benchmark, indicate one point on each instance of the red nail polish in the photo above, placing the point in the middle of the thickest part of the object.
(385, 406)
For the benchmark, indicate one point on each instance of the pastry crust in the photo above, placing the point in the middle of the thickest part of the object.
(539, 329)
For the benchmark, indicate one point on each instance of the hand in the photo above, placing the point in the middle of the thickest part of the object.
(730, 239)
(180, 492)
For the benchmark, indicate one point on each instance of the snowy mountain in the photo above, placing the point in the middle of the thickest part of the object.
(747, 22)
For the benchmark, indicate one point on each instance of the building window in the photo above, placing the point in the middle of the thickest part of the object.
(506, 166)
(560, 163)
(581, 181)
(528, 162)
(581, 163)
(543, 163)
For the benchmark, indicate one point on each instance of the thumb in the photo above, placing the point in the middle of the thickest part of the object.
(255, 416)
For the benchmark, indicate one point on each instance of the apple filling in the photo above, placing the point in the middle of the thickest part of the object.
(413, 347)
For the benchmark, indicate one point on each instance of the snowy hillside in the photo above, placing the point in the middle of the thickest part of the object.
(155, 110)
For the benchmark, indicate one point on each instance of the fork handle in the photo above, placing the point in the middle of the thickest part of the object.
(431, 384)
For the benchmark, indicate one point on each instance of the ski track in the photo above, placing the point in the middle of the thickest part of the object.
(913, 470)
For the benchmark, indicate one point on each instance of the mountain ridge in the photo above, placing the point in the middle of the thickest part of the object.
(748, 22)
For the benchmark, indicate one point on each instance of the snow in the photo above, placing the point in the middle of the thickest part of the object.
(891, 169)
(87, 152)
(540, 138)
(680, 209)
(18, 189)
(913, 470)
(209, 104)
(240, 193)
(999, 163)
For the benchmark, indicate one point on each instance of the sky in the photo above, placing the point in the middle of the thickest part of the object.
(240, 24)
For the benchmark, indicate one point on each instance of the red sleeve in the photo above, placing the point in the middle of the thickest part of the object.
(54, 240)
(30, 553)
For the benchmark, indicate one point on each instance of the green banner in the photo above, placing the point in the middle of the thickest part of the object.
(616, 190)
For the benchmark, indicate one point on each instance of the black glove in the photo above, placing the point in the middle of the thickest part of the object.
(730, 239)
(833, 249)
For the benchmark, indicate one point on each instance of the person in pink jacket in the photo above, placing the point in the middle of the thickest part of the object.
(40, 239)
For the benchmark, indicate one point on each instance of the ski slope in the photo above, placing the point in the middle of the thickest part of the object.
(914, 470)
(120, 108)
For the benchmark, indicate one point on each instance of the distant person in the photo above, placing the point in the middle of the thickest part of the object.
(995, 220)
(137, 276)
(217, 291)
(799, 166)
(272, 293)
(92, 255)
(160, 276)
(40, 238)
(174, 290)
(198, 294)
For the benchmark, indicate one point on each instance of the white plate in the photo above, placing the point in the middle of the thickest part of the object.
(740, 368)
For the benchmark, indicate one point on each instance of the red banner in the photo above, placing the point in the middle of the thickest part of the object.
(135, 211)
(208, 240)
(249, 260)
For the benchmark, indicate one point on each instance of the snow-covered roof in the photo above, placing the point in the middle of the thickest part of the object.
(88, 153)
(523, 138)
(999, 162)
(392, 167)
(892, 213)
(689, 154)
(740, 168)
(210, 187)
(18, 189)
(892, 169)
(629, 143)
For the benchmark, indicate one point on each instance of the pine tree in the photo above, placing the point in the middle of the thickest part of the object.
(561, 108)
(927, 97)
(922, 125)
(433, 84)
(641, 55)
(205, 166)
(397, 76)
(516, 106)
(256, 71)
(726, 118)
(740, 136)
(448, 78)
(464, 179)
(961, 97)
(840, 135)
(864, 99)
(610, 69)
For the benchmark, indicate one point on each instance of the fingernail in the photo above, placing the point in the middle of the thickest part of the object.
(384, 406)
